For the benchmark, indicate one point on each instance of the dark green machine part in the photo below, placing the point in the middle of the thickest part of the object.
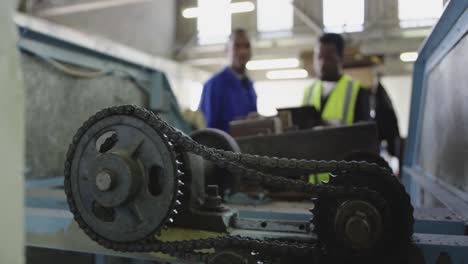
(214, 175)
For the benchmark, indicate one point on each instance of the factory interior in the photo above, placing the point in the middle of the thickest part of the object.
(234, 131)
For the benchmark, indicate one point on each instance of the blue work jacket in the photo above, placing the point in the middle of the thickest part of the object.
(225, 97)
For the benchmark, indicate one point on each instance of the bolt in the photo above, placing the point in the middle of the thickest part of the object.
(213, 200)
(103, 181)
(358, 230)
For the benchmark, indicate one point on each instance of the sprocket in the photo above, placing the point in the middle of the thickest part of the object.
(360, 229)
(122, 178)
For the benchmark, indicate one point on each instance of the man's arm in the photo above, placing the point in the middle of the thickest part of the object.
(254, 94)
(210, 104)
(362, 108)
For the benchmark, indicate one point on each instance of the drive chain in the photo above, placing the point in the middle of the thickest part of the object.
(241, 164)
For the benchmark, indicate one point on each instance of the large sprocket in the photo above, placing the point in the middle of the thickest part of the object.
(122, 177)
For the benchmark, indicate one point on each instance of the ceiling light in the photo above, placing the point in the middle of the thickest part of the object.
(408, 56)
(273, 64)
(238, 7)
(241, 7)
(190, 12)
(287, 74)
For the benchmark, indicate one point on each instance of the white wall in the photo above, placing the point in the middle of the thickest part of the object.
(279, 94)
(11, 142)
(187, 85)
(399, 90)
(270, 94)
(148, 25)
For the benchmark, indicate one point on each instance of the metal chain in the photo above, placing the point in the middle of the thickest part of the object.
(241, 164)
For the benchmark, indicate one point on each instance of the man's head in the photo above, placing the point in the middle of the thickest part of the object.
(328, 57)
(238, 49)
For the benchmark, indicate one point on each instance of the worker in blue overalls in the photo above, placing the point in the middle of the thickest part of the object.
(229, 94)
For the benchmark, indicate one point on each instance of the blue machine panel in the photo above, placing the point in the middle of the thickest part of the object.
(435, 166)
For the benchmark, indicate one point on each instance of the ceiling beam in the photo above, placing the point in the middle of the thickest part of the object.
(85, 7)
(307, 20)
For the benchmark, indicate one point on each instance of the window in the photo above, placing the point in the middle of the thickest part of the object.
(274, 15)
(411, 13)
(214, 21)
(343, 16)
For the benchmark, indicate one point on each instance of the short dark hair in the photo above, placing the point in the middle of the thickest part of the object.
(237, 31)
(334, 39)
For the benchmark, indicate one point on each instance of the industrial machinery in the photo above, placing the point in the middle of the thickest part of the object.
(129, 176)
(205, 229)
(358, 142)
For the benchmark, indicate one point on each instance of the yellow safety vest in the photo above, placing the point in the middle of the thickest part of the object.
(341, 101)
(339, 107)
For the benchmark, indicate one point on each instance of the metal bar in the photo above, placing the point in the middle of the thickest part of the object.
(438, 221)
(271, 225)
(453, 36)
(438, 247)
(259, 234)
(308, 21)
(99, 259)
(444, 195)
(85, 7)
(274, 215)
(46, 182)
(427, 220)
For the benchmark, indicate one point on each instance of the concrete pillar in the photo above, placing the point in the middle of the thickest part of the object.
(11, 142)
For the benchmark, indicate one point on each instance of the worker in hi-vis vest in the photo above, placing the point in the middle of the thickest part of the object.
(339, 99)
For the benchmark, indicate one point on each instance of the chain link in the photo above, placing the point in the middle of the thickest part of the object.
(241, 164)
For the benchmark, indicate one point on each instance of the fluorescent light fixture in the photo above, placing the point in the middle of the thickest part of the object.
(273, 64)
(287, 74)
(207, 61)
(190, 12)
(408, 56)
(274, 15)
(343, 16)
(241, 7)
(238, 7)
